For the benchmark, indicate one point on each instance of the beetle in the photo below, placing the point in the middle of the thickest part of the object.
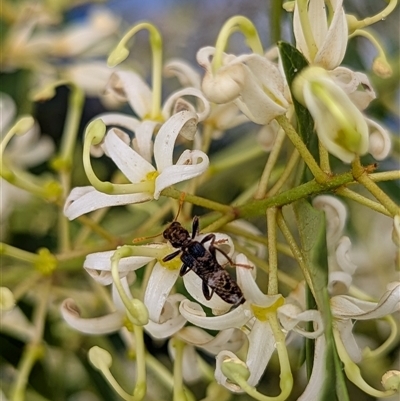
(202, 261)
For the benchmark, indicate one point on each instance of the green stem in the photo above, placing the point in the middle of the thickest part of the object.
(259, 207)
(179, 394)
(272, 159)
(362, 200)
(34, 350)
(295, 250)
(275, 20)
(361, 176)
(16, 253)
(272, 252)
(291, 164)
(319, 175)
(246, 27)
(141, 385)
(306, 28)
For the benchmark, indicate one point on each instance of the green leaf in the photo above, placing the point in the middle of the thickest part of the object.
(293, 62)
(312, 231)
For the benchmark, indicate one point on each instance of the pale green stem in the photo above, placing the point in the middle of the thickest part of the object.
(324, 158)
(96, 228)
(319, 175)
(141, 384)
(179, 394)
(275, 20)
(361, 176)
(355, 24)
(17, 253)
(86, 230)
(388, 345)
(63, 163)
(372, 39)
(246, 27)
(306, 28)
(30, 281)
(196, 200)
(269, 166)
(348, 193)
(164, 375)
(298, 255)
(156, 47)
(34, 350)
(353, 371)
(385, 176)
(272, 252)
(291, 164)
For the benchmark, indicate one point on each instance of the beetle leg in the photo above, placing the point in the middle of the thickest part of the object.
(206, 291)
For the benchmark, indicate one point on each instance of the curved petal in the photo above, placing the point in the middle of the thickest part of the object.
(165, 140)
(186, 74)
(187, 167)
(335, 216)
(290, 316)
(220, 377)
(318, 374)
(345, 307)
(247, 283)
(195, 314)
(342, 255)
(83, 200)
(229, 339)
(119, 120)
(143, 142)
(131, 163)
(98, 265)
(170, 321)
(260, 338)
(339, 283)
(127, 85)
(201, 115)
(380, 143)
(158, 288)
(345, 328)
(99, 325)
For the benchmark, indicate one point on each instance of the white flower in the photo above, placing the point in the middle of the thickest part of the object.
(346, 309)
(222, 116)
(148, 181)
(340, 125)
(252, 82)
(252, 318)
(321, 37)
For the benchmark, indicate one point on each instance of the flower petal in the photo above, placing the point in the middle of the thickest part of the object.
(260, 338)
(229, 339)
(83, 200)
(335, 216)
(220, 377)
(345, 307)
(342, 255)
(99, 325)
(157, 290)
(186, 74)
(195, 314)
(127, 85)
(380, 143)
(318, 374)
(165, 140)
(187, 167)
(201, 115)
(99, 264)
(7, 112)
(170, 320)
(131, 163)
(191, 370)
(142, 142)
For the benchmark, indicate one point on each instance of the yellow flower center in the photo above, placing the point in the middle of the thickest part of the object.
(262, 313)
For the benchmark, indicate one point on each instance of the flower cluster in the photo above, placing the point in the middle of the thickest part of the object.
(283, 259)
